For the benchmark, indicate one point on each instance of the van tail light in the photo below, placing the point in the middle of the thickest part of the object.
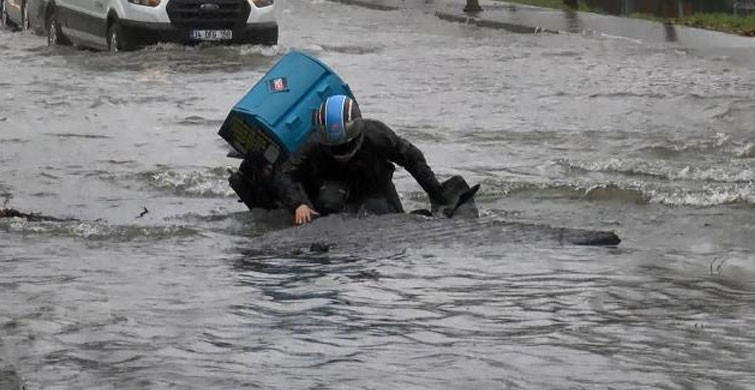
(148, 3)
(262, 3)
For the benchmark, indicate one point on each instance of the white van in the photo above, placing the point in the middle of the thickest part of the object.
(117, 25)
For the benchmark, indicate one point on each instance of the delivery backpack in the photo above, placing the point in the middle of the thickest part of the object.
(273, 120)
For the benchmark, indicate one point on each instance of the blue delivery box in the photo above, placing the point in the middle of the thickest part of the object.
(275, 116)
(274, 119)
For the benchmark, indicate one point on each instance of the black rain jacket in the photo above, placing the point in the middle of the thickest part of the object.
(369, 173)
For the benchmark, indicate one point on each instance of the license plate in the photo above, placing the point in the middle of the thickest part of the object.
(211, 35)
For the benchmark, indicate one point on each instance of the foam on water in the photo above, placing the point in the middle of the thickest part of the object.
(726, 172)
(94, 230)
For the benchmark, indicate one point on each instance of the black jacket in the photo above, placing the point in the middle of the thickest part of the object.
(368, 173)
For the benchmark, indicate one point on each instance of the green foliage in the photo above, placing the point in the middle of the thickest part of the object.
(744, 24)
(736, 24)
(644, 16)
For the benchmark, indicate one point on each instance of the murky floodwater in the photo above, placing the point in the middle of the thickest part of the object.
(568, 130)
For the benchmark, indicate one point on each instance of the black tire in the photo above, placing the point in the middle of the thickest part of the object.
(54, 32)
(116, 39)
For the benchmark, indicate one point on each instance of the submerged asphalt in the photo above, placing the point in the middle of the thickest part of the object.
(579, 130)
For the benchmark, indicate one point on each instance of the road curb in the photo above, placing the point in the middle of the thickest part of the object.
(511, 27)
(369, 4)
(456, 17)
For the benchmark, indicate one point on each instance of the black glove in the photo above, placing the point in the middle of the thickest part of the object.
(441, 205)
(455, 191)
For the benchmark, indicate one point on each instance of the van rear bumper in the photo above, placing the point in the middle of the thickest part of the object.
(143, 33)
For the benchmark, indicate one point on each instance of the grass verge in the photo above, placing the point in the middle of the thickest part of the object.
(557, 4)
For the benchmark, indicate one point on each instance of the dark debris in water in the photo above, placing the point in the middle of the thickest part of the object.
(143, 213)
(13, 213)
(314, 248)
(319, 247)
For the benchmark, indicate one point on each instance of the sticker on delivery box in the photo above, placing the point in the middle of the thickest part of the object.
(278, 84)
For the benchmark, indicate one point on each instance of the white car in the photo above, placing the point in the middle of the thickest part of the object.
(117, 25)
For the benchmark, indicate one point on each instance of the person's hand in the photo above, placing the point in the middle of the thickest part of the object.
(304, 214)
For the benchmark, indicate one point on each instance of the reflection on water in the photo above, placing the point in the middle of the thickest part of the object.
(670, 31)
(173, 58)
(573, 24)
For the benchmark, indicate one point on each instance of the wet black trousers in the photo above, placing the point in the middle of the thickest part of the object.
(333, 198)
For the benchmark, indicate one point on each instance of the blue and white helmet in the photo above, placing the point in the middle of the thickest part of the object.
(339, 128)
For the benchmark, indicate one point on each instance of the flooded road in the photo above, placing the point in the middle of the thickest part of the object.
(570, 130)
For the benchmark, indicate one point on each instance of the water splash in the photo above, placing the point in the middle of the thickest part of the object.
(732, 172)
(205, 183)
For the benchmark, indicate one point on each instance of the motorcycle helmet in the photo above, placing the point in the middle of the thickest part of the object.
(338, 124)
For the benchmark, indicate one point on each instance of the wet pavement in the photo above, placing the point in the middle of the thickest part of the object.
(573, 130)
(529, 19)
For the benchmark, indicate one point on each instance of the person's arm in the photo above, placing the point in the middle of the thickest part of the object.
(403, 153)
(290, 187)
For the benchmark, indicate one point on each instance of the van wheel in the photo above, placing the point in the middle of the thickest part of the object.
(25, 20)
(54, 32)
(116, 40)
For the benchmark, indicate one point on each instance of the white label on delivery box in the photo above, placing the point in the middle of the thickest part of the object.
(272, 153)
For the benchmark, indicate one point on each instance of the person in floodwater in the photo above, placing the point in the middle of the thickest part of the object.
(347, 166)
